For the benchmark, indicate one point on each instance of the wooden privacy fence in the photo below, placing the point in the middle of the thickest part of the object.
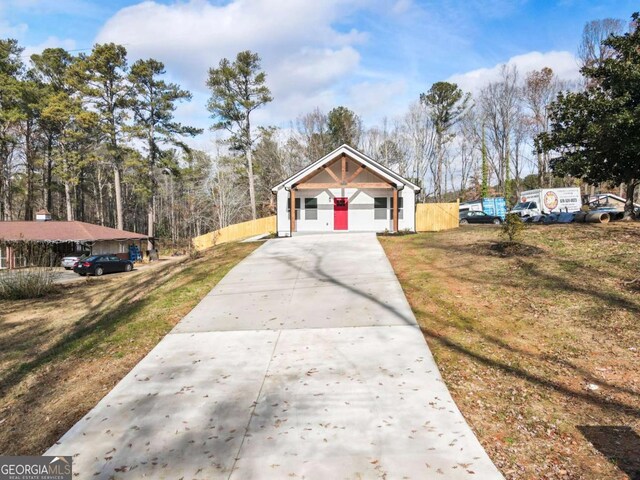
(430, 217)
(238, 231)
(433, 217)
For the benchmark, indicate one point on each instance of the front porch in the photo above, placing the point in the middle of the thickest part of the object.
(345, 191)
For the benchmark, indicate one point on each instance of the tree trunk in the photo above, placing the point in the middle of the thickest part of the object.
(49, 173)
(540, 169)
(151, 214)
(507, 173)
(516, 168)
(100, 197)
(28, 203)
(6, 179)
(151, 203)
(2, 177)
(252, 190)
(67, 199)
(118, 188)
(437, 187)
(485, 167)
(629, 208)
(172, 215)
(109, 218)
(80, 204)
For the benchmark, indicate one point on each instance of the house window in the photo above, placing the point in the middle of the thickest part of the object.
(310, 208)
(380, 208)
(400, 208)
(297, 208)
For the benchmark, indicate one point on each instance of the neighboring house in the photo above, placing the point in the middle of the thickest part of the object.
(607, 200)
(345, 191)
(62, 238)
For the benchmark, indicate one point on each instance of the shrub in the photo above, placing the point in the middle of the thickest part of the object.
(194, 253)
(512, 227)
(27, 283)
(36, 279)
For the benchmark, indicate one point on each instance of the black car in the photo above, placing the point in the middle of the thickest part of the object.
(99, 264)
(479, 217)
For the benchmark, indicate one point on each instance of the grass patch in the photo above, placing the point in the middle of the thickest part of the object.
(520, 337)
(60, 355)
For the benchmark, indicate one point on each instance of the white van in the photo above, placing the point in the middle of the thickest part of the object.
(548, 200)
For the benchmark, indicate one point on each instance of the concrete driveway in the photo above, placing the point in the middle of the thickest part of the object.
(305, 361)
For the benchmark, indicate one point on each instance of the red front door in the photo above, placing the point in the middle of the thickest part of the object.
(340, 213)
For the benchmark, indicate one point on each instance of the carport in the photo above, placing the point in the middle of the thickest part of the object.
(25, 243)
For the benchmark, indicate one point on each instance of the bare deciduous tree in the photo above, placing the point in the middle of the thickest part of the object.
(592, 51)
(500, 104)
(470, 146)
(421, 138)
(539, 90)
(228, 198)
(314, 133)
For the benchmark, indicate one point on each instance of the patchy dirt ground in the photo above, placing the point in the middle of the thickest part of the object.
(540, 349)
(61, 354)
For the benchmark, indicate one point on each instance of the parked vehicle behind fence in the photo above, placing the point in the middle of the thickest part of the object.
(479, 217)
(496, 206)
(548, 200)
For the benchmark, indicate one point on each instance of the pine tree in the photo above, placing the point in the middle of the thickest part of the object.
(153, 102)
(237, 89)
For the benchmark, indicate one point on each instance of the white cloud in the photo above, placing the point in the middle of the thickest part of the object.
(564, 65)
(311, 58)
(401, 6)
(311, 69)
(379, 99)
(8, 30)
(40, 7)
(303, 54)
(21, 30)
(50, 42)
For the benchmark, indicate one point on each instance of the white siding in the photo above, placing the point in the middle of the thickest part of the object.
(361, 214)
(282, 200)
(408, 221)
(112, 246)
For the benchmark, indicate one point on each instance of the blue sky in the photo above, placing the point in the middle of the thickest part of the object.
(374, 56)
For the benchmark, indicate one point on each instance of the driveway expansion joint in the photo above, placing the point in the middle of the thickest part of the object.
(284, 370)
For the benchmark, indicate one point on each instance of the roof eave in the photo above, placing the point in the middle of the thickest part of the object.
(74, 240)
(397, 179)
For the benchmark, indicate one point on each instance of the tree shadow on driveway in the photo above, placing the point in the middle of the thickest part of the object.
(319, 273)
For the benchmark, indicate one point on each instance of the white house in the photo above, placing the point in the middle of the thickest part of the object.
(345, 191)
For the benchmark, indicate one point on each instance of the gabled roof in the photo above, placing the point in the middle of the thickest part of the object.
(53, 231)
(355, 155)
